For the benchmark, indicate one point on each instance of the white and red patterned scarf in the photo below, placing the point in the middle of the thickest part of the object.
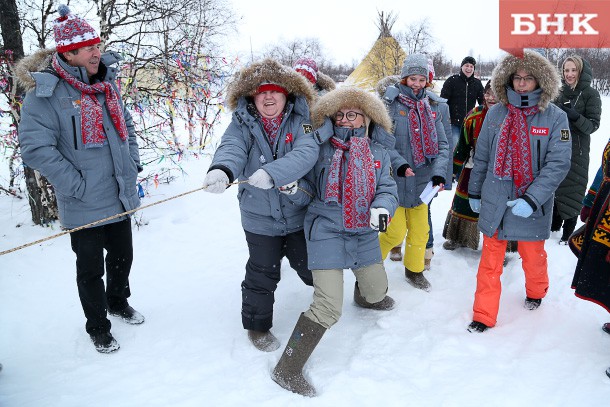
(357, 190)
(424, 140)
(513, 153)
(92, 127)
(272, 127)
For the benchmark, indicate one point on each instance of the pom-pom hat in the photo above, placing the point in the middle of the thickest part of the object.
(308, 68)
(72, 32)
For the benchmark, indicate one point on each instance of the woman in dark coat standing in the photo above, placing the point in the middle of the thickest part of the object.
(583, 106)
(593, 246)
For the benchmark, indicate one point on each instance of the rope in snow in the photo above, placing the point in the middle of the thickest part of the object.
(118, 215)
(97, 222)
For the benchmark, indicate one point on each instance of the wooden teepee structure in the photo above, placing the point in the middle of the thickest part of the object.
(384, 59)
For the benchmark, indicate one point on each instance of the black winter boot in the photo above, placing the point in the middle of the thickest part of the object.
(417, 280)
(606, 327)
(288, 372)
(263, 341)
(532, 303)
(477, 327)
(104, 342)
(386, 304)
(129, 315)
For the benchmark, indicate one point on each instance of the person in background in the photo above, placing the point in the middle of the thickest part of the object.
(269, 143)
(592, 246)
(309, 69)
(583, 107)
(462, 91)
(354, 186)
(420, 157)
(522, 154)
(75, 130)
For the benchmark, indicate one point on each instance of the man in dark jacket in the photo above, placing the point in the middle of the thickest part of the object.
(76, 132)
(462, 91)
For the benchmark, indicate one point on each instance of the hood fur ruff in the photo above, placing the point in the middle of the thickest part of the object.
(37, 62)
(247, 81)
(534, 63)
(351, 97)
(325, 82)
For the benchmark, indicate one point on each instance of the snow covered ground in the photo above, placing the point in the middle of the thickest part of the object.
(193, 351)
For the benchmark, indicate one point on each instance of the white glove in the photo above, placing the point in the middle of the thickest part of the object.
(260, 179)
(375, 212)
(216, 182)
(290, 189)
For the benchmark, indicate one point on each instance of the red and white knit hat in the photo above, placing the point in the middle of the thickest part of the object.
(430, 70)
(72, 32)
(308, 68)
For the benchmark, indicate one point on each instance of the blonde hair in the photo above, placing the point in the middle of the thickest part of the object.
(579, 64)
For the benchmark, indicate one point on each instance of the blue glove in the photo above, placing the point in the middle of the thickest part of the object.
(475, 204)
(520, 208)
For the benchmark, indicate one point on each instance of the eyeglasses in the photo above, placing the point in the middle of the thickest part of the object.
(351, 116)
(527, 78)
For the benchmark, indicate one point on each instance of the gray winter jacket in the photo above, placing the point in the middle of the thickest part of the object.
(245, 148)
(443, 110)
(329, 244)
(410, 188)
(90, 183)
(550, 156)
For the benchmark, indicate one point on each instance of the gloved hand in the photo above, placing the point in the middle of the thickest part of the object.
(437, 180)
(375, 212)
(216, 182)
(260, 179)
(290, 189)
(573, 115)
(475, 204)
(585, 212)
(404, 171)
(520, 207)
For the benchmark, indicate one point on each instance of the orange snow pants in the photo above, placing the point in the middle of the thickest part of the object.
(489, 287)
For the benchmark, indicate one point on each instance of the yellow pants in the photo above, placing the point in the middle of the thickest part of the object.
(412, 222)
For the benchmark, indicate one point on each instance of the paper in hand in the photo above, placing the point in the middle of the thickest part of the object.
(429, 193)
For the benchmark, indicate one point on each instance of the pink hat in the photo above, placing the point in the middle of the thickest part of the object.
(308, 68)
(72, 32)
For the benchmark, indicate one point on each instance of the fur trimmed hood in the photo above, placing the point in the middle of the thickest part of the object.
(386, 82)
(348, 96)
(40, 61)
(534, 63)
(325, 82)
(246, 81)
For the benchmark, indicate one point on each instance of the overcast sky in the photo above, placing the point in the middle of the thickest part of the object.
(347, 29)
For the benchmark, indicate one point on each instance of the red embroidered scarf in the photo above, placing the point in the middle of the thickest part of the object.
(357, 190)
(513, 153)
(424, 140)
(92, 127)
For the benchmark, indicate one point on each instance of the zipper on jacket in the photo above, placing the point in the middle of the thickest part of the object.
(320, 181)
(538, 155)
(313, 222)
(74, 133)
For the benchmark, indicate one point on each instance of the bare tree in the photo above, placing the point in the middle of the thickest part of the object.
(417, 37)
(42, 200)
(288, 52)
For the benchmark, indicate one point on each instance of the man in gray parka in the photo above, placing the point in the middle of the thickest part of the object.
(522, 155)
(76, 132)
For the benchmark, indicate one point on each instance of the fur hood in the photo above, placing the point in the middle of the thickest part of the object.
(348, 96)
(386, 82)
(534, 63)
(38, 62)
(325, 82)
(246, 82)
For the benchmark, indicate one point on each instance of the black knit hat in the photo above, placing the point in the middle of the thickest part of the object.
(468, 60)
(487, 85)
